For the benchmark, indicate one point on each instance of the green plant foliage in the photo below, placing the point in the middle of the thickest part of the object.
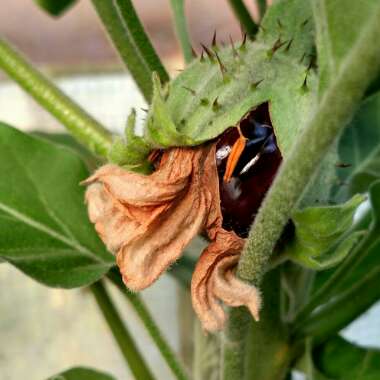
(321, 240)
(359, 150)
(341, 360)
(333, 20)
(55, 7)
(132, 43)
(68, 141)
(368, 259)
(44, 227)
(81, 373)
(217, 90)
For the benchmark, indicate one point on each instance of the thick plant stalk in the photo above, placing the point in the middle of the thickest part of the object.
(128, 35)
(123, 338)
(151, 327)
(329, 118)
(84, 127)
(265, 349)
(178, 8)
(243, 15)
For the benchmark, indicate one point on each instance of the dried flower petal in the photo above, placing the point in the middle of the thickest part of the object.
(214, 280)
(148, 220)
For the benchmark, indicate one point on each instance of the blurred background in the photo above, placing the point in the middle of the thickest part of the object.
(43, 331)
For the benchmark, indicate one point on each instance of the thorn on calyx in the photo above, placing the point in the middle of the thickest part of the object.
(215, 105)
(243, 42)
(234, 51)
(192, 92)
(305, 22)
(304, 84)
(302, 58)
(221, 65)
(213, 42)
(276, 46)
(288, 45)
(202, 59)
(209, 53)
(256, 84)
(204, 102)
(193, 52)
(144, 109)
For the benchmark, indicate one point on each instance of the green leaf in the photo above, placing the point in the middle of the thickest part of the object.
(359, 147)
(322, 234)
(69, 142)
(342, 360)
(344, 294)
(55, 7)
(366, 259)
(333, 41)
(81, 373)
(44, 228)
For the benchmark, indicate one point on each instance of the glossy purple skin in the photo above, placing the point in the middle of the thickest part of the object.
(241, 197)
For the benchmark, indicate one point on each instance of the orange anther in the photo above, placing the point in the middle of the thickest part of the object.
(233, 158)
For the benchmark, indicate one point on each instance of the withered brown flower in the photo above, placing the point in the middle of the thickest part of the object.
(147, 221)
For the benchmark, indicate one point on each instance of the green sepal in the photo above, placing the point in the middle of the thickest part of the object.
(323, 235)
(161, 131)
(132, 151)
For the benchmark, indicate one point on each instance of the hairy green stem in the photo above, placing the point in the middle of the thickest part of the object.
(178, 8)
(123, 338)
(128, 35)
(329, 118)
(243, 15)
(258, 350)
(151, 327)
(84, 127)
(344, 309)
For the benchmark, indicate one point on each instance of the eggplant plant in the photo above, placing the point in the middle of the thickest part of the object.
(267, 149)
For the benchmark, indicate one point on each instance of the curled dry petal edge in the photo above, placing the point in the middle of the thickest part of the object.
(148, 220)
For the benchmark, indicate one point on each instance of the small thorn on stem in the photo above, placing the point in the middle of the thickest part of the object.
(193, 53)
(144, 109)
(279, 23)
